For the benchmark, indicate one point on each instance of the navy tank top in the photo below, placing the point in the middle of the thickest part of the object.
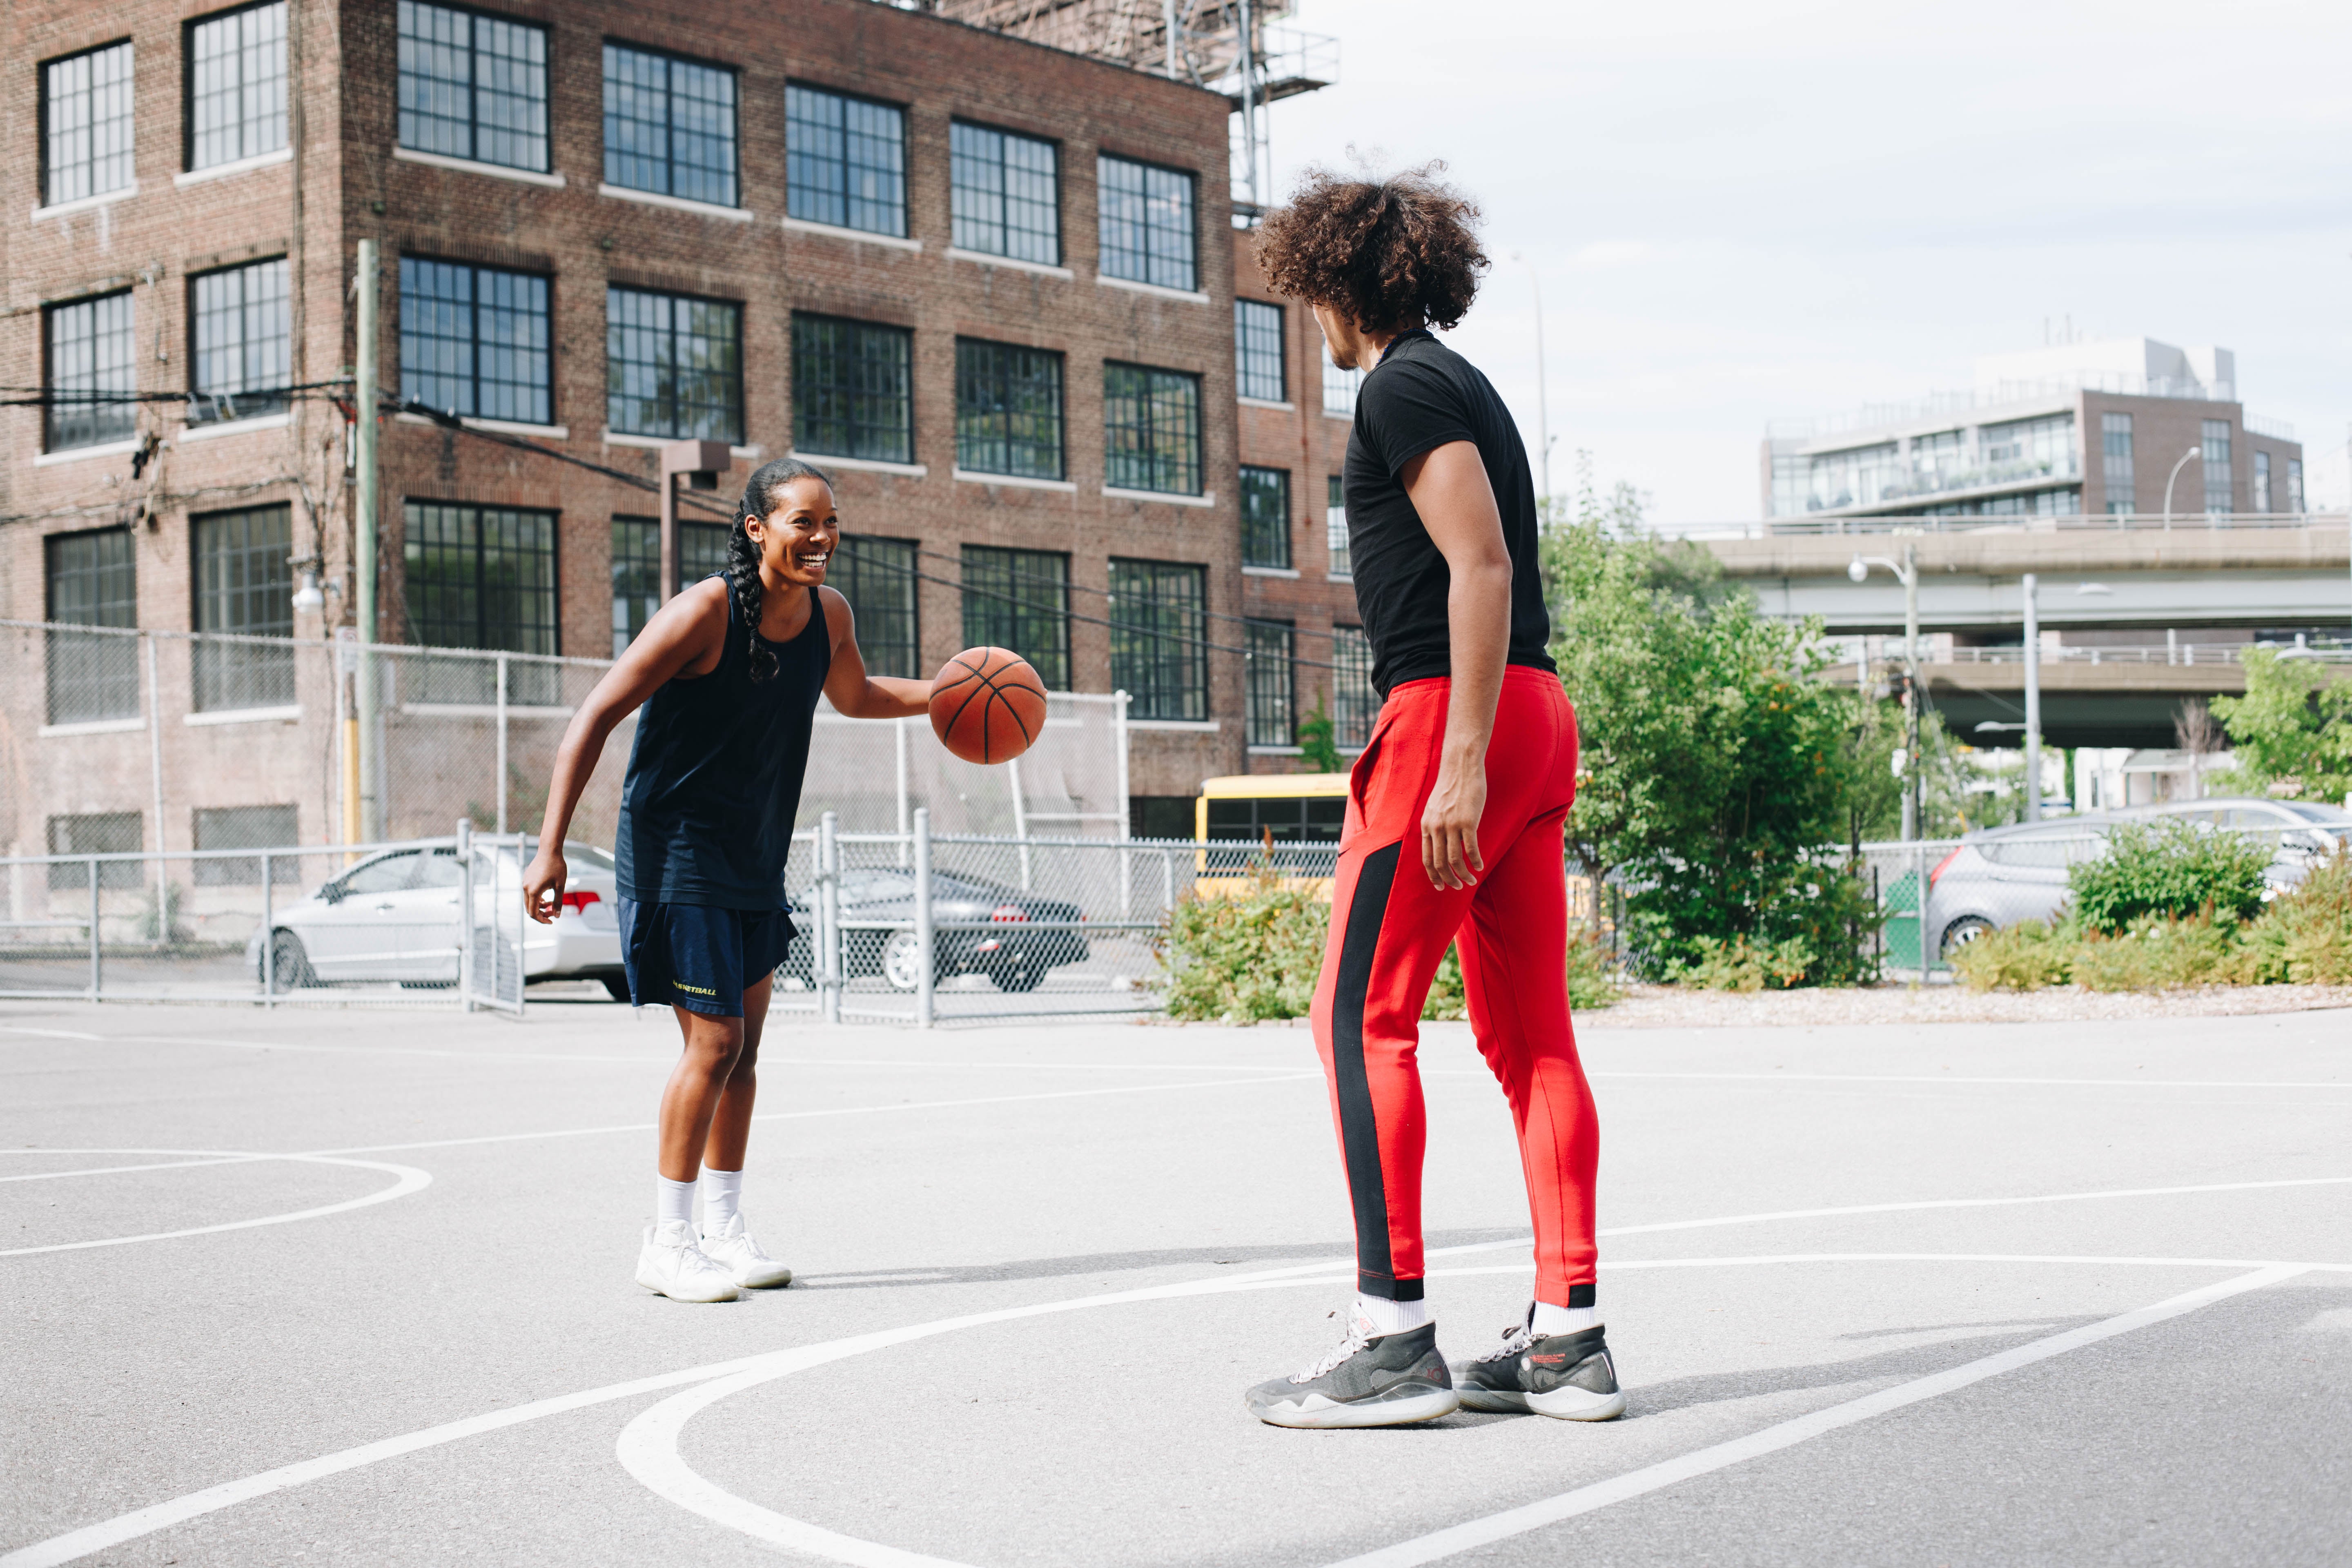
(714, 778)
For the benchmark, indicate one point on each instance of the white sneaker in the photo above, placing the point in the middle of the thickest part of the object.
(739, 1258)
(672, 1265)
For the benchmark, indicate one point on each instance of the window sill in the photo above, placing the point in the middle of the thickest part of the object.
(470, 166)
(656, 443)
(1277, 750)
(1349, 577)
(236, 428)
(479, 711)
(497, 426)
(94, 727)
(675, 204)
(289, 713)
(1349, 416)
(1291, 572)
(866, 465)
(1207, 498)
(1187, 726)
(1282, 407)
(82, 454)
(240, 166)
(1039, 268)
(1192, 295)
(839, 231)
(87, 204)
(1017, 481)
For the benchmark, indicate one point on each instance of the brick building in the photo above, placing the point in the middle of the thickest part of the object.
(983, 281)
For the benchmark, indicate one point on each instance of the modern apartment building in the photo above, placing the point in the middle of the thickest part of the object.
(2087, 428)
(984, 281)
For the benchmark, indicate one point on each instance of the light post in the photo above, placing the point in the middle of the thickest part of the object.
(2168, 483)
(1543, 411)
(2032, 704)
(1906, 572)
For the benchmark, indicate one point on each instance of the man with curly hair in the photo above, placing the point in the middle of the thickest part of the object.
(1454, 819)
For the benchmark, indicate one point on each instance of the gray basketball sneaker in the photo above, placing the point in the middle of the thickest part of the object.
(1388, 1379)
(1569, 1376)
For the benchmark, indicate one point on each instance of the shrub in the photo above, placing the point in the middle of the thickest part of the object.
(1741, 965)
(2158, 954)
(2304, 938)
(2168, 868)
(1251, 956)
(2026, 956)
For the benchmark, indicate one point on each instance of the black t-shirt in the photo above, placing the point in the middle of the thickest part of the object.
(1420, 396)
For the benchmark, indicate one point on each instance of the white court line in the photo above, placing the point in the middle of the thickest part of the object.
(1948, 1078)
(1917, 1205)
(120, 1170)
(1782, 1435)
(410, 1180)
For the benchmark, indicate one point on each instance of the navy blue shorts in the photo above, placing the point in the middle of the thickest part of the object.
(698, 957)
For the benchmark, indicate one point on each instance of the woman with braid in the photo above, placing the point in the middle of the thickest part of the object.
(727, 673)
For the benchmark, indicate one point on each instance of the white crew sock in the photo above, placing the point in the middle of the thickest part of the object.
(722, 1198)
(673, 1200)
(1388, 1317)
(1551, 1320)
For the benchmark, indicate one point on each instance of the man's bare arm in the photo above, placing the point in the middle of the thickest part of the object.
(1448, 487)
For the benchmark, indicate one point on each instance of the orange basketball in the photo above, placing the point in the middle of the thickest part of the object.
(988, 705)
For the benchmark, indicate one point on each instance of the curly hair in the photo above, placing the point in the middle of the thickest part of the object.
(761, 496)
(1390, 255)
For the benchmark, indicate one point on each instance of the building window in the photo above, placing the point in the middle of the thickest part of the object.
(473, 86)
(1152, 429)
(1020, 599)
(244, 586)
(474, 341)
(637, 567)
(2213, 452)
(1272, 718)
(1006, 191)
(1354, 703)
(1266, 516)
(1340, 390)
(2261, 481)
(246, 827)
(669, 126)
(673, 365)
(1335, 527)
(2294, 485)
(1159, 638)
(91, 582)
(1147, 228)
(1258, 361)
(877, 577)
(99, 833)
(244, 352)
(481, 577)
(845, 162)
(1008, 410)
(2116, 438)
(853, 389)
(93, 356)
(237, 85)
(2028, 447)
(86, 125)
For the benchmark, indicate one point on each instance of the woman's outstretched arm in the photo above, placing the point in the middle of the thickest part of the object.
(852, 691)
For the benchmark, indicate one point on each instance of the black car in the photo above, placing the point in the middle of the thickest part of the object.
(1010, 948)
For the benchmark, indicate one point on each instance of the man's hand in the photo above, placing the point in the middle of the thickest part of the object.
(1449, 824)
(542, 884)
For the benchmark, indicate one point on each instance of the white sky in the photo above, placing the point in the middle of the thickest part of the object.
(1748, 209)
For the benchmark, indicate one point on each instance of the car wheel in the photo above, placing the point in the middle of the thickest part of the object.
(902, 960)
(617, 987)
(1964, 930)
(1022, 973)
(291, 963)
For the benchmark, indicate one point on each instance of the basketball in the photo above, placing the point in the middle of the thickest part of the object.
(988, 705)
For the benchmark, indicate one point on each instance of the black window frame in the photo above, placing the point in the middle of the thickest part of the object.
(878, 577)
(1244, 378)
(243, 586)
(1120, 465)
(989, 375)
(208, 405)
(269, 826)
(1265, 540)
(191, 135)
(1270, 684)
(112, 420)
(130, 118)
(959, 157)
(807, 394)
(1007, 609)
(91, 678)
(634, 563)
(474, 124)
(668, 160)
(801, 197)
(730, 428)
(1160, 651)
(409, 332)
(1105, 251)
(474, 681)
(1355, 702)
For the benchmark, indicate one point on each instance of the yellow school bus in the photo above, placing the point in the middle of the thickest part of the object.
(1272, 810)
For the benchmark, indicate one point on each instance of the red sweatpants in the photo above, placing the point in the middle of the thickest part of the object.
(1390, 927)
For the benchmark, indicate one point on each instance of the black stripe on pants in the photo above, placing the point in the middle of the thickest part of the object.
(1360, 1134)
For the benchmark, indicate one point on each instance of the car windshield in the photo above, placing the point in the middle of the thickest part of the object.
(2326, 816)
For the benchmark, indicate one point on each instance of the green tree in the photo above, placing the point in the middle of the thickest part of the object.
(1316, 748)
(2293, 729)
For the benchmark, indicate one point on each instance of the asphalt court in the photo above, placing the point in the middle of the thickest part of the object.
(2071, 1293)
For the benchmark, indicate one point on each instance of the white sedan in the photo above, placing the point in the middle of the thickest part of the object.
(395, 917)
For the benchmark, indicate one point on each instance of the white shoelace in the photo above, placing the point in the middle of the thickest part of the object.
(1515, 1341)
(1359, 1336)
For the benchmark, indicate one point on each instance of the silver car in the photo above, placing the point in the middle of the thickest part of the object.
(395, 917)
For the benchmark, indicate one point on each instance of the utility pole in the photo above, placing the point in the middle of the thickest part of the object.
(2032, 704)
(1912, 804)
(1543, 409)
(364, 569)
(701, 463)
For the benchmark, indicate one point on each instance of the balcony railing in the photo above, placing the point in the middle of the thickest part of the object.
(2181, 521)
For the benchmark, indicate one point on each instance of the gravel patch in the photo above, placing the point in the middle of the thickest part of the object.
(1676, 1008)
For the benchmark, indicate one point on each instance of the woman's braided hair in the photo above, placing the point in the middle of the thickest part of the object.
(1390, 255)
(744, 585)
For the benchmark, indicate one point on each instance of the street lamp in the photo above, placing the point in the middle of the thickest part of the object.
(2172, 476)
(1543, 414)
(1906, 571)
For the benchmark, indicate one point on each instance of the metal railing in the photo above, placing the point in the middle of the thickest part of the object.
(2177, 653)
(2069, 522)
